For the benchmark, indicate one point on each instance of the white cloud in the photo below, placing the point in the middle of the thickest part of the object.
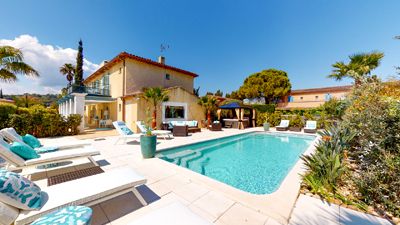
(46, 59)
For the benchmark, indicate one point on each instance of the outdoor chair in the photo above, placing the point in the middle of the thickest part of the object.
(180, 131)
(216, 127)
(283, 126)
(125, 133)
(11, 135)
(311, 126)
(86, 191)
(15, 162)
(173, 214)
(160, 133)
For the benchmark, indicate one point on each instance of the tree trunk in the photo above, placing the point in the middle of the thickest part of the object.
(153, 122)
(208, 118)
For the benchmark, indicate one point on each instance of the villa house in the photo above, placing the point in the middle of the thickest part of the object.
(314, 97)
(114, 91)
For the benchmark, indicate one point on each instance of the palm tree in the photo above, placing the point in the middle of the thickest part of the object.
(360, 66)
(155, 95)
(209, 103)
(68, 70)
(11, 64)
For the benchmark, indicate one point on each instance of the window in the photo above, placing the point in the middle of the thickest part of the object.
(301, 98)
(119, 107)
(120, 69)
(316, 97)
(174, 111)
(328, 97)
(167, 76)
(290, 99)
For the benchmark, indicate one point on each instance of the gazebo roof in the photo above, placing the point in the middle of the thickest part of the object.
(234, 105)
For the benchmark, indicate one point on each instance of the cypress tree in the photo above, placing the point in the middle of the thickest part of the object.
(79, 65)
(1, 93)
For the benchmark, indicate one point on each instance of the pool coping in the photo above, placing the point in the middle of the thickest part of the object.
(278, 204)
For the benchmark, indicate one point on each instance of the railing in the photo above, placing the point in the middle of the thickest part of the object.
(89, 90)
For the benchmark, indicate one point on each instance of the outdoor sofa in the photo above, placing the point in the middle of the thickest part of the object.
(180, 131)
(193, 125)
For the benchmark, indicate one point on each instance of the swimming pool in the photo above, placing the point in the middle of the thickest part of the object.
(255, 162)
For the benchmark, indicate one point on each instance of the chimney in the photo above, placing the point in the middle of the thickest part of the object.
(161, 59)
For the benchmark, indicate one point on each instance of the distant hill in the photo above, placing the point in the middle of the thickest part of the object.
(46, 100)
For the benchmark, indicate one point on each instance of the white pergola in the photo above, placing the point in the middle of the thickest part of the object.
(73, 103)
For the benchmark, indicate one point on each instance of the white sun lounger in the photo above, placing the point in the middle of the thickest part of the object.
(284, 125)
(121, 128)
(86, 191)
(173, 214)
(311, 126)
(11, 135)
(161, 133)
(15, 162)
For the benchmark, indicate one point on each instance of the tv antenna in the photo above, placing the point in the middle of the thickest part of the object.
(163, 48)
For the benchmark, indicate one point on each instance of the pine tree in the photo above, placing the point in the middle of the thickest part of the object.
(79, 65)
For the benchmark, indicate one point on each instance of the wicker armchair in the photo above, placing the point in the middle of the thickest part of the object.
(180, 131)
(216, 127)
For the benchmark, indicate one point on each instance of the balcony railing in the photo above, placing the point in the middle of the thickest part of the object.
(88, 90)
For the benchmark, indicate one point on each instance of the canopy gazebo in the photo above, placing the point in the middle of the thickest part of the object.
(241, 122)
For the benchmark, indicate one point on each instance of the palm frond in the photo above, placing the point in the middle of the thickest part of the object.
(21, 68)
(7, 76)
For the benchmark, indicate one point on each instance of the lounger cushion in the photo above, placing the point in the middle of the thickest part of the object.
(8, 214)
(173, 214)
(8, 155)
(31, 141)
(17, 191)
(61, 155)
(44, 149)
(80, 215)
(24, 151)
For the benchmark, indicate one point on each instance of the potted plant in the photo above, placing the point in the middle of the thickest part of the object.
(266, 126)
(296, 123)
(148, 141)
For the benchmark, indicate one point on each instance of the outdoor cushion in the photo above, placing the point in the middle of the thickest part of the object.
(45, 149)
(8, 155)
(126, 130)
(80, 215)
(191, 123)
(8, 214)
(31, 141)
(17, 191)
(23, 151)
(62, 155)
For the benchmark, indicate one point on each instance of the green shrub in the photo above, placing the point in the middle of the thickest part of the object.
(265, 108)
(6, 110)
(296, 121)
(274, 119)
(39, 121)
(262, 118)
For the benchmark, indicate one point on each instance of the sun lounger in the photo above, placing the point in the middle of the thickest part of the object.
(124, 132)
(283, 126)
(173, 214)
(159, 133)
(15, 162)
(11, 135)
(311, 127)
(86, 191)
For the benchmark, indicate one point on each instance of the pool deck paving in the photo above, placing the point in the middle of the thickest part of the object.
(214, 201)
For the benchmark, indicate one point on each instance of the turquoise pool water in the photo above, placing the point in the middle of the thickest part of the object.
(256, 162)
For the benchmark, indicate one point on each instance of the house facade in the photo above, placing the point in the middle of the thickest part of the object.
(313, 97)
(114, 92)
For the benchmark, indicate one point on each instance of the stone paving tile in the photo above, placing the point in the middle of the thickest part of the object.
(191, 191)
(271, 221)
(214, 203)
(239, 214)
(352, 217)
(310, 211)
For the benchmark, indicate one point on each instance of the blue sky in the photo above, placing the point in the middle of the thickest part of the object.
(222, 41)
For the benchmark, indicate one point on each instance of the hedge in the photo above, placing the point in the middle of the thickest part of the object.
(264, 108)
(38, 121)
